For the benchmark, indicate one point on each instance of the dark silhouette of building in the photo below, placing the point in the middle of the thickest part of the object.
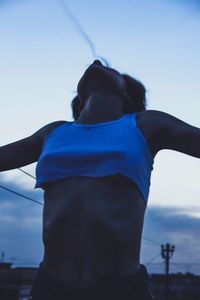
(15, 284)
(181, 286)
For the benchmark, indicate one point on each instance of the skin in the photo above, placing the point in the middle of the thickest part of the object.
(92, 227)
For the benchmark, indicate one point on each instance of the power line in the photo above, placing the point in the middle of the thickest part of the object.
(26, 173)
(186, 263)
(21, 195)
(144, 238)
(177, 264)
(150, 240)
(153, 258)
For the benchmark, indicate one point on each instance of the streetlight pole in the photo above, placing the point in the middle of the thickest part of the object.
(167, 252)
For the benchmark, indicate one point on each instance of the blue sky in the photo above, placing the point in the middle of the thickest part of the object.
(41, 60)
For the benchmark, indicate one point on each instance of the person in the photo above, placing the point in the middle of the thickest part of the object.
(95, 172)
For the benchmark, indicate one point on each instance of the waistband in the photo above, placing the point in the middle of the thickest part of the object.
(139, 278)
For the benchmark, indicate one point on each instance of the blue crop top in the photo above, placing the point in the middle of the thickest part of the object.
(114, 147)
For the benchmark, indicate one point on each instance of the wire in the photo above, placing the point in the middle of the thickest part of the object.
(81, 31)
(26, 173)
(150, 240)
(186, 263)
(153, 258)
(21, 195)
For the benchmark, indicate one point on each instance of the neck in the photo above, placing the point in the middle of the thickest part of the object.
(101, 107)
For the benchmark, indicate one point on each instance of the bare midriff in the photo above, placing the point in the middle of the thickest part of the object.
(92, 229)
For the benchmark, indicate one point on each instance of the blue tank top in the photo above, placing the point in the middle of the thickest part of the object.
(95, 150)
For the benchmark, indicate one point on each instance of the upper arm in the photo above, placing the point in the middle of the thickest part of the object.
(175, 134)
(25, 151)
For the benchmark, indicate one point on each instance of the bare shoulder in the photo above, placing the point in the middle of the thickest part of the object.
(43, 132)
(150, 123)
(155, 122)
(155, 117)
(165, 131)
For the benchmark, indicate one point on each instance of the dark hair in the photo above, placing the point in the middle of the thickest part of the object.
(136, 95)
(134, 100)
(76, 109)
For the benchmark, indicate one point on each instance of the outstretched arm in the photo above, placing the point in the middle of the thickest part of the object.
(20, 153)
(25, 151)
(180, 136)
(175, 134)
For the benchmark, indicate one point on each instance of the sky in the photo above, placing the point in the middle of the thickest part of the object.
(42, 57)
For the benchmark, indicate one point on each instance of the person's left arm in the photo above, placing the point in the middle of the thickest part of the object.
(174, 134)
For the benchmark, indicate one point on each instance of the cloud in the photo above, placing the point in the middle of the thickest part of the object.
(20, 224)
(174, 219)
(176, 226)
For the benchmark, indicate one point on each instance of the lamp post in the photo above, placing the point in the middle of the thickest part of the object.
(167, 252)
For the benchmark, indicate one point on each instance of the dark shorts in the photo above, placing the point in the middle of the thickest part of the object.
(134, 287)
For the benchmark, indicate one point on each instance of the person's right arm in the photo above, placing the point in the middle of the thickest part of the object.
(25, 151)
